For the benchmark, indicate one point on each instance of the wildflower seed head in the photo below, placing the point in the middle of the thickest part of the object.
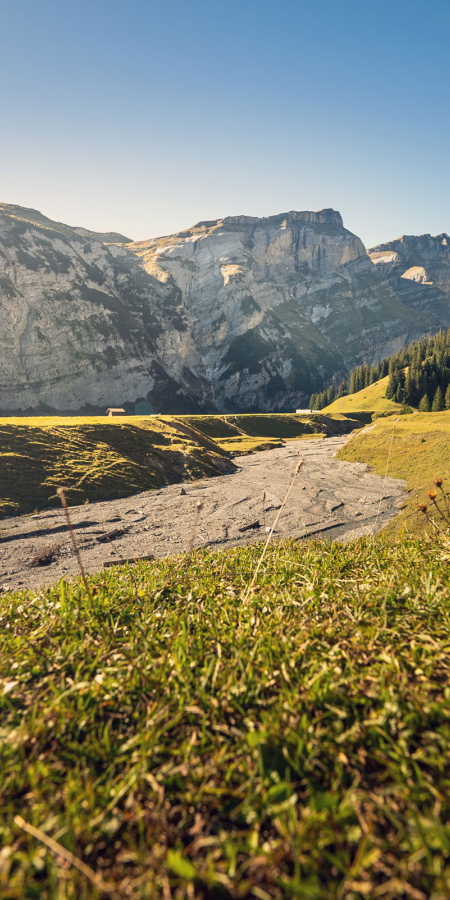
(423, 507)
(438, 482)
(431, 494)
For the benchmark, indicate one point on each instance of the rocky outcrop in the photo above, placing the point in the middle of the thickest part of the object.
(418, 270)
(234, 314)
(277, 306)
(80, 323)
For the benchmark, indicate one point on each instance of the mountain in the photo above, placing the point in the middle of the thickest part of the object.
(418, 270)
(105, 237)
(277, 306)
(80, 324)
(235, 314)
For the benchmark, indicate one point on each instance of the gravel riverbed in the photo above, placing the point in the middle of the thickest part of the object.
(338, 500)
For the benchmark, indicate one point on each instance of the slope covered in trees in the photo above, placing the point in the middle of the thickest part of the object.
(419, 375)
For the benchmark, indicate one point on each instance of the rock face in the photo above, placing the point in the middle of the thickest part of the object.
(278, 306)
(235, 314)
(418, 271)
(80, 324)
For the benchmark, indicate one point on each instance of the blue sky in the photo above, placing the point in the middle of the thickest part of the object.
(147, 117)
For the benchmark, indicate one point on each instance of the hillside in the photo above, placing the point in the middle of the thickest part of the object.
(236, 315)
(418, 270)
(104, 459)
(371, 400)
(414, 447)
(98, 459)
(279, 305)
(180, 742)
(419, 377)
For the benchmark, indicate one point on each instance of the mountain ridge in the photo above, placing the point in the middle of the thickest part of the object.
(418, 270)
(234, 314)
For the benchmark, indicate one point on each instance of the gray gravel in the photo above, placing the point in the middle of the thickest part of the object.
(337, 499)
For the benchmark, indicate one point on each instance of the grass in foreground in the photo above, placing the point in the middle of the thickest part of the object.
(186, 746)
(419, 447)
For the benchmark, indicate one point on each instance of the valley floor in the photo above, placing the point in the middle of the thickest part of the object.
(330, 497)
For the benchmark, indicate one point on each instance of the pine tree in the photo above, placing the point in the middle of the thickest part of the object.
(427, 364)
(424, 404)
(438, 401)
(393, 384)
(342, 389)
(409, 385)
(447, 398)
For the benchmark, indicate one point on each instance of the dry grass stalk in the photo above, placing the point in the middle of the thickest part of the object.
(61, 851)
(62, 494)
(385, 477)
(190, 543)
(269, 536)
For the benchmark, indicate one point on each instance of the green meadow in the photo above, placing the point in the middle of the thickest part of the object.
(163, 734)
(183, 743)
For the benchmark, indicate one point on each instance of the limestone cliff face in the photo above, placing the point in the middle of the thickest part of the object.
(277, 306)
(418, 270)
(79, 323)
(237, 313)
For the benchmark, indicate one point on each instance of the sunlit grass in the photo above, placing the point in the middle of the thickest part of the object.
(372, 400)
(419, 447)
(96, 458)
(184, 745)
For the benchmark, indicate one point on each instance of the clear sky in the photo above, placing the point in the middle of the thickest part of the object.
(145, 117)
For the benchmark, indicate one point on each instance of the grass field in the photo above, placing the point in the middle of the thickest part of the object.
(246, 433)
(371, 400)
(183, 744)
(414, 447)
(284, 426)
(99, 458)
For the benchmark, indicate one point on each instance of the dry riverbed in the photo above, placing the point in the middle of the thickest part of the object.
(338, 500)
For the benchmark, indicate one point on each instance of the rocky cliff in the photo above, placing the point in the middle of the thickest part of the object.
(277, 306)
(80, 324)
(418, 270)
(233, 314)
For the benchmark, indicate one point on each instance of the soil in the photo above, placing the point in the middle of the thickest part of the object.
(338, 500)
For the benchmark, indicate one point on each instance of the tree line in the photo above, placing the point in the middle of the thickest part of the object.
(419, 375)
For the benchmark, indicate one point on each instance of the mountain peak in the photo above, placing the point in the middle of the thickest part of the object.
(320, 217)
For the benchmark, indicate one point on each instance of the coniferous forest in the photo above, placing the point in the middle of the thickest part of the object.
(419, 376)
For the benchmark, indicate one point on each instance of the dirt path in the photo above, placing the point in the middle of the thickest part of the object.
(337, 499)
